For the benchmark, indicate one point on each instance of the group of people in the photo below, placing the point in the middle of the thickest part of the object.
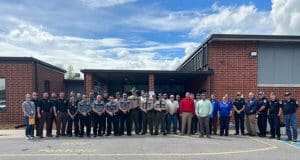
(155, 114)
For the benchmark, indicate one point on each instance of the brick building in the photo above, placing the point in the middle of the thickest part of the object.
(222, 64)
(21, 75)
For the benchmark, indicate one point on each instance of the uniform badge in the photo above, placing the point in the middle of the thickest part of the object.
(265, 101)
(297, 102)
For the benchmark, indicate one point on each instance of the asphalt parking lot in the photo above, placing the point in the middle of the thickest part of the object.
(14, 146)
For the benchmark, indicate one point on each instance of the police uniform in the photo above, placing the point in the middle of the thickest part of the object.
(84, 120)
(160, 118)
(289, 111)
(239, 118)
(262, 116)
(73, 120)
(274, 118)
(146, 105)
(45, 106)
(134, 112)
(112, 120)
(124, 104)
(53, 118)
(62, 116)
(99, 120)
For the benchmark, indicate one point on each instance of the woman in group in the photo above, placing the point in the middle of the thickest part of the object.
(225, 113)
(72, 117)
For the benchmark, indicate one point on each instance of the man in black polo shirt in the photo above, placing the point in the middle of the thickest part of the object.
(239, 113)
(274, 116)
(290, 106)
(262, 112)
(44, 114)
(61, 115)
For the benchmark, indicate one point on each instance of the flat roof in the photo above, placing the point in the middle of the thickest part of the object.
(31, 59)
(242, 37)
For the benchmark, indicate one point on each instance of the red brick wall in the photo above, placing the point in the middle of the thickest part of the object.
(18, 78)
(56, 79)
(88, 82)
(234, 70)
(151, 82)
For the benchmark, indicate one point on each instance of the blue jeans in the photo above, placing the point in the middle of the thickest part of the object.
(291, 122)
(172, 119)
(29, 128)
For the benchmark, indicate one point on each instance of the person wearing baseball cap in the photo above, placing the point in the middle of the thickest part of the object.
(290, 106)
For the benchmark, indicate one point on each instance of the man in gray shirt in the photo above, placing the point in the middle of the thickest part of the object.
(84, 109)
(28, 109)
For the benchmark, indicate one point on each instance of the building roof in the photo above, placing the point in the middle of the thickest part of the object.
(141, 76)
(30, 59)
(241, 37)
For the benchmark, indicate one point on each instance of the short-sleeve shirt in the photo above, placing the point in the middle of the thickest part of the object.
(45, 105)
(274, 107)
(225, 108)
(84, 106)
(215, 108)
(112, 106)
(290, 107)
(160, 104)
(29, 107)
(62, 105)
(147, 104)
(263, 102)
(172, 106)
(72, 108)
(239, 103)
(99, 106)
(124, 104)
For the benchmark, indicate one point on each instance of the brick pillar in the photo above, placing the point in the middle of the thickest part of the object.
(151, 83)
(88, 82)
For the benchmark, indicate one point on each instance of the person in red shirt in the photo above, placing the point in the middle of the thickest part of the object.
(187, 110)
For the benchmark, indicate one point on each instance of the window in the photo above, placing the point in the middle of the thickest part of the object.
(278, 65)
(47, 86)
(2, 94)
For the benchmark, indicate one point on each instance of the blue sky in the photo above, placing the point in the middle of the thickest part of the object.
(132, 34)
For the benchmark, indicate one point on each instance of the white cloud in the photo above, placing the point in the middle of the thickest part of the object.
(106, 53)
(286, 16)
(105, 3)
(244, 19)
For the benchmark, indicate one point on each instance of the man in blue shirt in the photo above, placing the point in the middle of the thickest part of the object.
(225, 113)
(213, 119)
(250, 110)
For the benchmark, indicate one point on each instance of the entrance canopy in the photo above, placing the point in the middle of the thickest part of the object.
(123, 80)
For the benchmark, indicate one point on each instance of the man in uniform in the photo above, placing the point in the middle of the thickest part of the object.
(274, 116)
(146, 105)
(262, 111)
(124, 105)
(290, 106)
(98, 108)
(61, 111)
(160, 116)
(84, 109)
(44, 110)
(239, 105)
(134, 110)
(35, 100)
(112, 107)
(53, 117)
(250, 110)
(106, 100)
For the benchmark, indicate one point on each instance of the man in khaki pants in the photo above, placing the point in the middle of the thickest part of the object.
(250, 110)
(187, 110)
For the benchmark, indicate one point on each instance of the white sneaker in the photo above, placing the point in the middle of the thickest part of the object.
(30, 137)
(26, 138)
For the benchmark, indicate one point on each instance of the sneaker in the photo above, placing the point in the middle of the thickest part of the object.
(27, 137)
(208, 136)
(278, 138)
(294, 140)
